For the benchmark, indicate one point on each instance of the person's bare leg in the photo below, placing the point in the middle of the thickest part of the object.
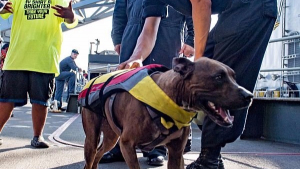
(5, 112)
(39, 115)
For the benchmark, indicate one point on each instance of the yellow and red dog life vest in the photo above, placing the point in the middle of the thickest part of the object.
(140, 85)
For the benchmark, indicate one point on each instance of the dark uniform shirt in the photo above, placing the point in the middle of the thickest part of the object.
(67, 64)
(128, 24)
(158, 7)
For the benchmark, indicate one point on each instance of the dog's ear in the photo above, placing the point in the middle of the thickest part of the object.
(183, 66)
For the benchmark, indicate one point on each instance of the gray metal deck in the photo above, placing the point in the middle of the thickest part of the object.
(16, 152)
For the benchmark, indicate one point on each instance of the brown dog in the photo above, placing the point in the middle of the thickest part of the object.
(205, 85)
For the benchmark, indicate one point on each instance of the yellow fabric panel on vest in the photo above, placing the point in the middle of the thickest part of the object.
(105, 77)
(153, 96)
(166, 124)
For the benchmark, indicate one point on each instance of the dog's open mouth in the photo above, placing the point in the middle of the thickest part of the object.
(219, 115)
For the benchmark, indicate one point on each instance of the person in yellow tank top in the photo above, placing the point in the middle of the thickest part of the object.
(32, 61)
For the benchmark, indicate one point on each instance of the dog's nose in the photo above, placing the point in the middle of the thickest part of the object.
(246, 94)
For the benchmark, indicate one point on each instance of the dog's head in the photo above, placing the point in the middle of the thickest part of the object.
(210, 86)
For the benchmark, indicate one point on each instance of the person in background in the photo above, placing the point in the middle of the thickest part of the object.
(32, 59)
(85, 75)
(3, 54)
(239, 40)
(67, 74)
(127, 26)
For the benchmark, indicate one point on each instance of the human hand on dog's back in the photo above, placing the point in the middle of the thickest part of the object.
(131, 63)
(144, 45)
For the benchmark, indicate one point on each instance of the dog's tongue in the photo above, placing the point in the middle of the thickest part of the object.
(225, 115)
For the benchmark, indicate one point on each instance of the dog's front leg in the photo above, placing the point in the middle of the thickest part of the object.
(176, 148)
(129, 153)
(175, 160)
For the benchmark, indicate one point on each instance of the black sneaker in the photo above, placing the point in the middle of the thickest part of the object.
(221, 164)
(39, 142)
(155, 160)
(188, 146)
(110, 157)
(208, 159)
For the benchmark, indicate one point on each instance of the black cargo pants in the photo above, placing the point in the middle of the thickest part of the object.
(239, 40)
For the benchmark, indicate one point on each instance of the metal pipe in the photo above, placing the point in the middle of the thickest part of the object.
(102, 67)
(285, 69)
(76, 74)
(108, 68)
(284, 38)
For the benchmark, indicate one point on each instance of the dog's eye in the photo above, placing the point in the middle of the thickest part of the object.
(218, 77)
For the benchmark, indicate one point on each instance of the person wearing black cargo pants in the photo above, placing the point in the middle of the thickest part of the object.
(239, 40)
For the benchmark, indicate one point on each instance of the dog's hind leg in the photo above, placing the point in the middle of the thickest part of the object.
(129, 154)
(110, 139)
(175, 150)
(91, 125)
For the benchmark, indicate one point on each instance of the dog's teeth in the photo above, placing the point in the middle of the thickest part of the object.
(212, 105)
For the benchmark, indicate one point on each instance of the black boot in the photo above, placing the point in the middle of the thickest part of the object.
(188, 146)
(208, 159)
(114, 155)
(221, 164)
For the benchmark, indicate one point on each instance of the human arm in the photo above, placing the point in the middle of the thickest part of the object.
(188, 47)
(67, 14)
(5, 7)
(187, 50)
(201, 13)
(1, 62)
(145, 44)
(119, 23)
(153, 10)
(71, 63)
(118, 48)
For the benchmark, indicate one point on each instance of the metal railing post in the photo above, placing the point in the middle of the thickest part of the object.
(75, 81)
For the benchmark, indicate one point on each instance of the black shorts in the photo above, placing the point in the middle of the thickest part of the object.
(15, 86)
